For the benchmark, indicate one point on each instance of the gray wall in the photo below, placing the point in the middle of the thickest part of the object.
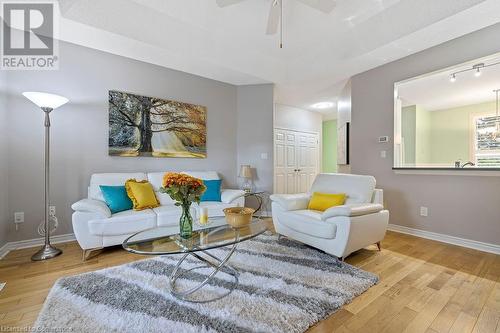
(4, 214)
(462, 206)
(80, 128)
(255, 132)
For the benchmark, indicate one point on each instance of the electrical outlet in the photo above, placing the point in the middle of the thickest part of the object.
(424, 211)
(18, 217)
(52, 210)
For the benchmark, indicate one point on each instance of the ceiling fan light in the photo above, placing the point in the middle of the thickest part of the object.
(453, 78)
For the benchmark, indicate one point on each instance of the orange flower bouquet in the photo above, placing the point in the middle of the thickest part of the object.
(184, 190)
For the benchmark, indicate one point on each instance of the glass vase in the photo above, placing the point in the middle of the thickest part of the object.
(186, 221)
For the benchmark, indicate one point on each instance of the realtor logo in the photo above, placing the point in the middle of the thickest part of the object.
(28, 36)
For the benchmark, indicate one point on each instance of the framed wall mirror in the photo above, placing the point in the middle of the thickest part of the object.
(449, 119)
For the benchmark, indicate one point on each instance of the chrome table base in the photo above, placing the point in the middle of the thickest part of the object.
(220, 265)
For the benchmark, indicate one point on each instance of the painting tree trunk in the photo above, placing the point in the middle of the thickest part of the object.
(146, 133)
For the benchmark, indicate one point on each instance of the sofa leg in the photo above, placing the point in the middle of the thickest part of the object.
(86, 253)
(379, 246)
(279, 237)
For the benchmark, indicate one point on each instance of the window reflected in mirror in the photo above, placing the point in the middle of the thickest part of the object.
(449, 118)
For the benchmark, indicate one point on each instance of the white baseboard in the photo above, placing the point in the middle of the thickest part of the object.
(472, 244)
(10, 246)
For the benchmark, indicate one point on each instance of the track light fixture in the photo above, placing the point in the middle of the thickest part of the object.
(477, 68)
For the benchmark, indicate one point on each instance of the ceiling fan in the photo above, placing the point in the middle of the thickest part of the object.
(275, 19)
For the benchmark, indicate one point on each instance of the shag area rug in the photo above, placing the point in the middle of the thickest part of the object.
(284, 286)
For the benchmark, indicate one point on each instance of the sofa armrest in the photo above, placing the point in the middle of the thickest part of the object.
(92, 206)
(292, 201)
(351, 210)
(228, 196)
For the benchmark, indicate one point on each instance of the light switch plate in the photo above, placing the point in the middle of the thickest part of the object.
(383, 154)
(383, 139)
(264, 156)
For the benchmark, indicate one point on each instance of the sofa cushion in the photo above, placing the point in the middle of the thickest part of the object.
(156, 179)
(358, 189)
(164, 199)
(167, 215)
(309, 222)
(123, 223)
(111, 179)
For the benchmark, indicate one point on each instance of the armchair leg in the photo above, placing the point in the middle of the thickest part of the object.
(379, 246)
(342, 259)
(86, 253)
(279, 237)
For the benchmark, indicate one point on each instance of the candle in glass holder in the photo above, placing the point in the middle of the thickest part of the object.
(203, 215)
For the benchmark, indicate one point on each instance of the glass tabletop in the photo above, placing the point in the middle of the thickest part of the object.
(160, 240)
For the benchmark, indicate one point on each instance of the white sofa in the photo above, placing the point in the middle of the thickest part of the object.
(95, 227)
(340, 230)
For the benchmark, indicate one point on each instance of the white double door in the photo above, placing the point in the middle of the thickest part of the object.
(296, 160)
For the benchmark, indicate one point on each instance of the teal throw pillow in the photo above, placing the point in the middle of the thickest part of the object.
(213, 190)
(116, 198)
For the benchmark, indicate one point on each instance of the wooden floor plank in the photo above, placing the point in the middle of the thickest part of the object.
(425, 286)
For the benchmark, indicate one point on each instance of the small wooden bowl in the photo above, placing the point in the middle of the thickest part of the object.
(238, 216)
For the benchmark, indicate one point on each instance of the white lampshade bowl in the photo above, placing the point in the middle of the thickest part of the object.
(45, 100)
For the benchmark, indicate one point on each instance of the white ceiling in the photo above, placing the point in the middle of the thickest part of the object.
(436, 92)
(321, 51)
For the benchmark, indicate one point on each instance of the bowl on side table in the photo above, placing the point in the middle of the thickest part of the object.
(238, 217)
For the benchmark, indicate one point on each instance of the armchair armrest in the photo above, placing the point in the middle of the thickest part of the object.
(228, 196)
(352, 210)
(92, 206)
(292, 201)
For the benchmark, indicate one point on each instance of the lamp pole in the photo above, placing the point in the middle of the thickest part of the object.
(47, 102)
(47, 251)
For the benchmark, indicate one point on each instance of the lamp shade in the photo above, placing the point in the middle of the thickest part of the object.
(245, 171)
(45, 100)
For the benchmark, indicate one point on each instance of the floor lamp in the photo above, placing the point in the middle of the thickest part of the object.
(47, 102)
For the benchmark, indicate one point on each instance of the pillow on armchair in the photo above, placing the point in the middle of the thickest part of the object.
(323, 201)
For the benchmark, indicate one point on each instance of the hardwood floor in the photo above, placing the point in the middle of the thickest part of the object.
(425, 286)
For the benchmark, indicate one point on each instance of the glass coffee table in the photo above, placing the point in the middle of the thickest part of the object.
(161, 241)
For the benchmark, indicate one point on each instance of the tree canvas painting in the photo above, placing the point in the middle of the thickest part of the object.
(148, 126)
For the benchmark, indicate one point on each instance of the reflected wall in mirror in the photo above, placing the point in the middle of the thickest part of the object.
(449, 118)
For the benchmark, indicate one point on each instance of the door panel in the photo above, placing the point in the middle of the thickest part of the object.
(296, 161)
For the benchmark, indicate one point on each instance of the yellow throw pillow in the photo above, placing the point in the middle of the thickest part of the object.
(142, 194)
(323, 201)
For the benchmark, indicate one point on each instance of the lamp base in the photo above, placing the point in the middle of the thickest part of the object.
(46, 252)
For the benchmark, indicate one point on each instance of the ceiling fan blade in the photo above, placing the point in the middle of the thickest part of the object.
(326, 6)
(274, 17)
(225, 3)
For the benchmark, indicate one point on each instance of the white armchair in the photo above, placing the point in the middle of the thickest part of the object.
(339, 230)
